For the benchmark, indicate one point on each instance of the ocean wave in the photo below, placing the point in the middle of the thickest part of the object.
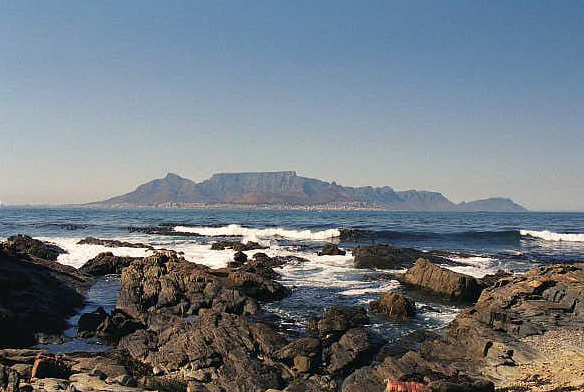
(551, 236)
(79, 254)
(276, 232)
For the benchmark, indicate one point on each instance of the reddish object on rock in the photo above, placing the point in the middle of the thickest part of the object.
(47, 366)
(398, 386)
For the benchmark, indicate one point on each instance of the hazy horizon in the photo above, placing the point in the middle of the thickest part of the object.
(470, 99)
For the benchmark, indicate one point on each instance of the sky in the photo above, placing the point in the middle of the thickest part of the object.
(469, 98)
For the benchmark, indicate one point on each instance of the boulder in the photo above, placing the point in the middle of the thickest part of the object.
(106, 263)
(354, 349)
(262, 260)
(108, 327)
(91, 321)
(331, 250)
(385, 256)
(337, 320)
(240, 257)
(112, 243)
(36, 295)
(394, 305)
(24, 244)
(442, 281)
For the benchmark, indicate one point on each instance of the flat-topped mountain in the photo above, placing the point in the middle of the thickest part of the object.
(287, 189)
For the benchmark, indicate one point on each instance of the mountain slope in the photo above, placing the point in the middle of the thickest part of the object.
(493, 204)
(287, 188)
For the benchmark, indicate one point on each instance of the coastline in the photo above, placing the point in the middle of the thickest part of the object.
(188, 302)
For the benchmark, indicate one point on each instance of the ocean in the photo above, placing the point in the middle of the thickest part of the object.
(508, 241)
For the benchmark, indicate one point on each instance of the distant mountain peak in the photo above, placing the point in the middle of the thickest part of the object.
(286, 188)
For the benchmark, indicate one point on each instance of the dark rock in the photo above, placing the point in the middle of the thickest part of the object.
(386, 256)
(331, 250)
(233, 348)
(153, 286)
(394, 305)
(337, 320)
(257, 287)
(91, 321)
(112, 243)
(356, 235)
(490, 279)
(21, 243)
(262, 260)
(108, 327)
(411, 341)
(50, 366)
(355, 349)
(36, 295)
(234, 264)
(441, 281)
(240, 257)
(376, 277)
(237, 246)
(117, 325)
(9, 379)
(106, 264)
(306, 347)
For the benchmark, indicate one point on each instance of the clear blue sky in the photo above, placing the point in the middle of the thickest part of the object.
(470, 98)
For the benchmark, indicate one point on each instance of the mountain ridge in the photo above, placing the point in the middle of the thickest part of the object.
(287, 189)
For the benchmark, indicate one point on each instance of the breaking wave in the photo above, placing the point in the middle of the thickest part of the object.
(551, 236)
(276, 232)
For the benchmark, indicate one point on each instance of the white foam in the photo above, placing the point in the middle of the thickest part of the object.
(475, 266)
(371, 288)
(79, 254)
(250, 234)
(551, 236)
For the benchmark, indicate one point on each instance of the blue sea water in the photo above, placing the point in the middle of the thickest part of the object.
(509, 241)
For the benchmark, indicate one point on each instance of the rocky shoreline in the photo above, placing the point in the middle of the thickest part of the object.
(182, 326)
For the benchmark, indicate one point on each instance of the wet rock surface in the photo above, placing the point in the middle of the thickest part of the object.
(386, 256)
(106, 263)
(237, 246)
(112, 243)
(331, 250)
(336, 320)
(26, 245)
(36, 295)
